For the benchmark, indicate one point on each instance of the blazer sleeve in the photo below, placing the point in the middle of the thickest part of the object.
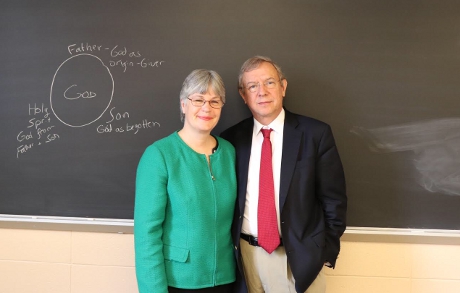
(149, 215)
(331, 193)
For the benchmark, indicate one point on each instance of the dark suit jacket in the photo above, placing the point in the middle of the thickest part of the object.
(312, 195)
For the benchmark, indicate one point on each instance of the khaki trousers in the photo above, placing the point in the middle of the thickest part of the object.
(270, 273)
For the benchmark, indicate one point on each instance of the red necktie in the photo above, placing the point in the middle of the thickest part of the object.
(268, 236)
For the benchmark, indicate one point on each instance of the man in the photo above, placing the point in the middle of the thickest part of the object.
(306, 189)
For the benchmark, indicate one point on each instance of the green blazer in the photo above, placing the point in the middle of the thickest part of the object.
(183, 215)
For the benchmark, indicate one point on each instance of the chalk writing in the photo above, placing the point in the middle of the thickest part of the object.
(118, 116)
(118, 56)
(144, 63)
(83, 48)
(134, 128)
(84, 95)
(80, 104)
(71, 86)
(123, 52)
(39, 130)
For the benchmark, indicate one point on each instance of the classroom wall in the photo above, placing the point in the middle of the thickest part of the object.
(42, 261)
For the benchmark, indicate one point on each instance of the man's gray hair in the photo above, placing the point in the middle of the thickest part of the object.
(253, 63)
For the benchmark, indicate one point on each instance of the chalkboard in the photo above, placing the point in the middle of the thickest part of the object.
(86, 86)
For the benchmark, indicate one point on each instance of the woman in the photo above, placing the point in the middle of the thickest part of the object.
(185, 195)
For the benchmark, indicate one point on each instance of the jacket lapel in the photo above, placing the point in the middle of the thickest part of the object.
(291, 144)
(243, 149)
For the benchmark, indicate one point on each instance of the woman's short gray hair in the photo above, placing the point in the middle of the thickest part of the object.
(199, 81)
(253, 63)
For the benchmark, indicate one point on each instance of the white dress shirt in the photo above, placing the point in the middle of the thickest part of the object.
(252, 193)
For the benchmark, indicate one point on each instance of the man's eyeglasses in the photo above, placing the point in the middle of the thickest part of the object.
(198, 102)
(254, 86)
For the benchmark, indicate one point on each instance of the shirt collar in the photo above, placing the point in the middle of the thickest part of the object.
(277, 124)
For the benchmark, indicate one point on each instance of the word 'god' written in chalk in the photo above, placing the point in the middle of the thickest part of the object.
(119, 123)
(39, 130)
(119, 56)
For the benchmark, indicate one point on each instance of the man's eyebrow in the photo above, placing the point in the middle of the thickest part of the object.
(257, 81)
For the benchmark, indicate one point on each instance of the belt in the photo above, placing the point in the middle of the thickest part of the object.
(253, 240)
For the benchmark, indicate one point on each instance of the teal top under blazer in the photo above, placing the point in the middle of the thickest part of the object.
(182, 216)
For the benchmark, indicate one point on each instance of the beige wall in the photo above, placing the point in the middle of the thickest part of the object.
(85, 262)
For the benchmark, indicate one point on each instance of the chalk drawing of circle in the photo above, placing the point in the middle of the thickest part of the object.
(81, 91)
